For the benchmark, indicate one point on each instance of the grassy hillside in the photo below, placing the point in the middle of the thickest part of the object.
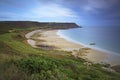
(5, 26)
(20, 61)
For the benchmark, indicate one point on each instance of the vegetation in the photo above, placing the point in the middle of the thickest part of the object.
(7, 26)
(15, 44)
(20, 61)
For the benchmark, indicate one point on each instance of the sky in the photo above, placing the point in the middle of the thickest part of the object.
(82, 12)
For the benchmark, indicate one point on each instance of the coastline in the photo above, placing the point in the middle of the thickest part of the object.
(88, 44)
(52, 38)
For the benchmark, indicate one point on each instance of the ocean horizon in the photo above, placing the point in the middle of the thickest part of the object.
(105, 39)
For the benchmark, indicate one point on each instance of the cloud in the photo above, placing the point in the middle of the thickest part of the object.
(60, 10)
(100, 5)
(40, 11)
(51, 10)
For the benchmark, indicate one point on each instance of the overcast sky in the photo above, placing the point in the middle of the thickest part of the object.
(83, 12)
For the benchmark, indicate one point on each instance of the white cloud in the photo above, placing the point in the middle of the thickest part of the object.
(51, 10)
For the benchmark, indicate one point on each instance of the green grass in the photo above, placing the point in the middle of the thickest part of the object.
(17, 45)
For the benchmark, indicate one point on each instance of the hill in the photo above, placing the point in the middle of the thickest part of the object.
(20, 61)
(7, 25)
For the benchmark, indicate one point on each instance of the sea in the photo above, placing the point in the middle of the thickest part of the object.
(104, 38)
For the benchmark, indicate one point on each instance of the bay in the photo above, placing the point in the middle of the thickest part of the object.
(106, 38)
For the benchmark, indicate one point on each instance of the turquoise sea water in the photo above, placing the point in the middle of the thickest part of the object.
(105, 38)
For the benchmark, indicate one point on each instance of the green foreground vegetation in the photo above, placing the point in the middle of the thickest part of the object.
(20, 61)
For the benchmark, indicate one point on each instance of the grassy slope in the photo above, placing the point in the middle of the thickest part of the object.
(19, 61)
(17, 45)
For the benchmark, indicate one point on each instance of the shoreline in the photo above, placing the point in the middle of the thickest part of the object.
(52, 38)
(87, 45)
(90, 46)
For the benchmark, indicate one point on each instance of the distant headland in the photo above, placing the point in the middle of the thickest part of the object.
(43, 25)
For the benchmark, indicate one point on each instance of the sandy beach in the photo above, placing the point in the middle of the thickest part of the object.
(50, 38)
